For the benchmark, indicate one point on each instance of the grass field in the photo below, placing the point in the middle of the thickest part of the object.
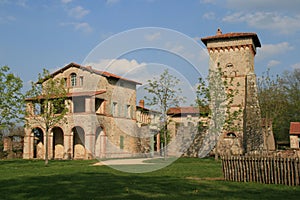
(187, 178)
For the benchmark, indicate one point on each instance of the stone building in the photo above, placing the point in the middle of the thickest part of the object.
(101, 121)
(234, 54)
(295, 134)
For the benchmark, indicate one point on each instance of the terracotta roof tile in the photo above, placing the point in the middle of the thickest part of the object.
(232, 35)
(90, 69)
(184, 110)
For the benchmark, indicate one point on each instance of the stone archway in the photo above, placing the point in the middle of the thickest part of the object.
(38, 143)
(58, 143)
(78, 143)
(100, 143)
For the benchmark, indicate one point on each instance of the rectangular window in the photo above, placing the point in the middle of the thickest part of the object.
(114, 109)
(128, 111)
(78, 104)
(81, 80)
(99, 106)
(73, 79)
(37, 108)
(65, 82)
(121, 142)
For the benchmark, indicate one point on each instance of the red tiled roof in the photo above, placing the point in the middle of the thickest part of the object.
(183, 110)
(90, 69)
(295, 128)
(233, 35)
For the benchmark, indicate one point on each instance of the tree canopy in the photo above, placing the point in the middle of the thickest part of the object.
(11, 98)
(163, 91)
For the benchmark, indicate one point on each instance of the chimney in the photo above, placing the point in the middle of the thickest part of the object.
(89, 68)
(219, 32)
(142, 103)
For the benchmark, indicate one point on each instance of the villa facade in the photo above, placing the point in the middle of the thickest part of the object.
(102, 109)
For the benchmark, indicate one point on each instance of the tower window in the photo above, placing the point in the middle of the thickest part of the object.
(229, 65)
(231, 134)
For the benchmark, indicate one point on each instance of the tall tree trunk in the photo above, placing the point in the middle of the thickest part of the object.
(47, 147)
(166, 142)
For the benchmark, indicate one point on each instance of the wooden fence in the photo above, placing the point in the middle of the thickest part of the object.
(268, 170)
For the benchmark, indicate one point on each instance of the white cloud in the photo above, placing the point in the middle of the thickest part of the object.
(66, 1)
(272, 21)
(208, 1)
(273, 63)
(296, 66)
(111, 2)
(78, 12)
(269, 50)
(152, 37)
(7, 19)
(117, 66)
(79, 26)
(290, 5)
(209, 15)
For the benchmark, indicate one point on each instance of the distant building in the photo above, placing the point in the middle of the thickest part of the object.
(295, 134)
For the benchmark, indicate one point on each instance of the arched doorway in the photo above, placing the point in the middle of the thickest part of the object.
(58, 143)
(78, 143)
(38, 143)
(100, 143)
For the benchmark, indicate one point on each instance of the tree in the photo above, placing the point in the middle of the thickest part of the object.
(219, 96)
(11, 98)
(49, 106)
(273, 101)
(164, 93)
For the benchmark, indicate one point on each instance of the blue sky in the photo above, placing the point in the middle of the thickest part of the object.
(37, 34)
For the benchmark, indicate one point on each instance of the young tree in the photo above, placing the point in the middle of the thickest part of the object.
(164, 93)
(50, 106)
(219, 95)
(11, 98)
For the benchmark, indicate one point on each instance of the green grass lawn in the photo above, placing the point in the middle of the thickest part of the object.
(187, 178)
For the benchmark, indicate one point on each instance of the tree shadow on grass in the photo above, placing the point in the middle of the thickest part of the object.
(99, 185)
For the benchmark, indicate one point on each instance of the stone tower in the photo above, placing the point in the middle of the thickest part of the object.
(234, 54)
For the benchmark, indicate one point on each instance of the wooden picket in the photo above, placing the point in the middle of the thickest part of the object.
(267, 170)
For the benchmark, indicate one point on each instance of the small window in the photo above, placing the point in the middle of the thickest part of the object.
(65, 82)
(73, 79)
(128, 111)
(229, 65)
(114, 109)
(37, 109)
(121, 142)
(81, 80)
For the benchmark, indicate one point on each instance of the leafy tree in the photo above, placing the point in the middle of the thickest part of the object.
(218, 95)
(11, 98)
(273, 96)
(49, 107)
(164, 93)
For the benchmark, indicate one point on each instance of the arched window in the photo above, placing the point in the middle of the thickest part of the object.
(73, 79)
